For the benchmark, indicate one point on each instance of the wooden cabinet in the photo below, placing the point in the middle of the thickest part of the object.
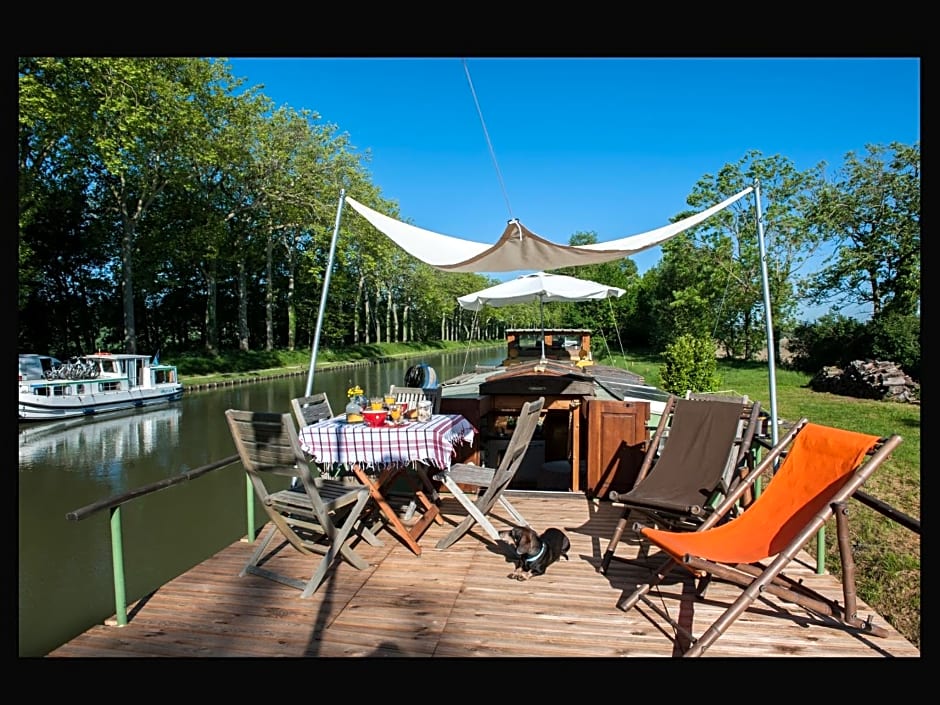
(616, 443)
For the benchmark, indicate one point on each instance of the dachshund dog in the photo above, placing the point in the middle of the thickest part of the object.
(535, 552)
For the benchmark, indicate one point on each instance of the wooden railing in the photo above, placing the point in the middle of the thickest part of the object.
(113, 504)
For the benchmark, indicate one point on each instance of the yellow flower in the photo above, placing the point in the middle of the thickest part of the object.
(354, 391)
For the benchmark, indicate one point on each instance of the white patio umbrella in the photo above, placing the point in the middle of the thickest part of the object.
(542, 287)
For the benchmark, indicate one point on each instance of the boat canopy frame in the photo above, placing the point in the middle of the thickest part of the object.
(520, 249)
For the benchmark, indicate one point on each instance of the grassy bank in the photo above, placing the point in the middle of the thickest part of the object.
(887, 555)
(236, 365)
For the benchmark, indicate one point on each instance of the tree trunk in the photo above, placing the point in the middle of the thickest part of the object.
(360, 287)
(212, 333)
(127, 271)
(242, 305)
(269, 293)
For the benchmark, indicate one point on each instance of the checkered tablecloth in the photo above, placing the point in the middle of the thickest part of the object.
(335, 441)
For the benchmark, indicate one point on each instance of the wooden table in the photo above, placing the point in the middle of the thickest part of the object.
(380, 456)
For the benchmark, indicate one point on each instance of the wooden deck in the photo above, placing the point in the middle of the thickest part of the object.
(460, 603)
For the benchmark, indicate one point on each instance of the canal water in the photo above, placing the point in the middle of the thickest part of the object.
(65, 567)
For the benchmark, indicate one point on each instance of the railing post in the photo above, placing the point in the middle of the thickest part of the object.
(821, 550)
(250, 509)
(117, 563)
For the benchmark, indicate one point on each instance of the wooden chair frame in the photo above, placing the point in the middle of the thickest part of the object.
(317, 516)
(413, 395)
(310, 409)
(822, 468)
(495, 481)
(689, 465)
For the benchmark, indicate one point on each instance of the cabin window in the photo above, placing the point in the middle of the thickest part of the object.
(529, 340)
(79, 389)
(109, 386)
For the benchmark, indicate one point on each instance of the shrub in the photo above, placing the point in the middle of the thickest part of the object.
(834, 340)
(837, 340)
(689, 364)
(896, 337)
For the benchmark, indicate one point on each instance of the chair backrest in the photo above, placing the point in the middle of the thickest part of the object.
(526, 424)
(705, 454)
(822, 465)
(267, 444)
(716, 396)
(413, 395)
(310, 409)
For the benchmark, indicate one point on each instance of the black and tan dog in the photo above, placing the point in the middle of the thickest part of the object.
(535, 552)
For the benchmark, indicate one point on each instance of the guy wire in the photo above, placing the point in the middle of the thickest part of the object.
(487, 135)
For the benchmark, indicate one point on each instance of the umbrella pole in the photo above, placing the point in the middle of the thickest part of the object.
(542, 324)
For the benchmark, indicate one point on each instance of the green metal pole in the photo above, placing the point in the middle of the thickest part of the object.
(117, 562)
(821, 550)
(250, 506)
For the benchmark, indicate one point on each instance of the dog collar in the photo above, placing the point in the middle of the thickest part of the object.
(538, 555)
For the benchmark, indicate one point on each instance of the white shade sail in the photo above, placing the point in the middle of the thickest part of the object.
(518, 248)
(540, 286)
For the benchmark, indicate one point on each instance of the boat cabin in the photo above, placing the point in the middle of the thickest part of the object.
(593, 431)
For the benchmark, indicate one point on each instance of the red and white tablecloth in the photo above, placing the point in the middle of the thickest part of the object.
(335, 441)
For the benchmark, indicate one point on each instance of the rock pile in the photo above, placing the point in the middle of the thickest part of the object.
(868, 379)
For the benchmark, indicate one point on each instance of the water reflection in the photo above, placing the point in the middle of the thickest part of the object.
(96, 445)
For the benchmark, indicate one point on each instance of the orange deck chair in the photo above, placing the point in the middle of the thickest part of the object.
(821, 470)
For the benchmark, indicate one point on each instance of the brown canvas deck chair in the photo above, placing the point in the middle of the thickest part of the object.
(704, 450)
(488, 482)
(821, 470)
(318, 516)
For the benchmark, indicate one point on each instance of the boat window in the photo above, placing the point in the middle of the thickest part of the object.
(109, 386)
(529, 340)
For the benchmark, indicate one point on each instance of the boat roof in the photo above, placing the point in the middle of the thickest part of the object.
(550, 331)
(115, 356)
(606, 381)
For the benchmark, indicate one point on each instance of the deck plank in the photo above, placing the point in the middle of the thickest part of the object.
(460, 603)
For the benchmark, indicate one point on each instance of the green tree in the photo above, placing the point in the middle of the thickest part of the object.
(137, 124)
(709, 280)
(610, 317)
(870, 215)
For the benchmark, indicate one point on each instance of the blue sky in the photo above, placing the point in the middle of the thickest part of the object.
(609, 145)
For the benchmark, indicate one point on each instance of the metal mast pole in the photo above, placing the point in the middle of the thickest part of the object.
(324, 293)
(771, 363)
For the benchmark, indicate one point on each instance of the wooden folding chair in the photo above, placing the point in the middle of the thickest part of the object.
(310, 409)
(699, 452)
(412, 395)
(318, 516)
(822, 468)
(494, 481)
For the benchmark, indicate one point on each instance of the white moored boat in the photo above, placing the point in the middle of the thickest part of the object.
(99, 383)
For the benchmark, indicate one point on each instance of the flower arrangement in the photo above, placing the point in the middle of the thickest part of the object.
(355, 391)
